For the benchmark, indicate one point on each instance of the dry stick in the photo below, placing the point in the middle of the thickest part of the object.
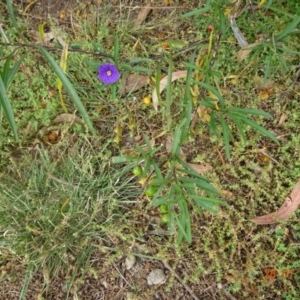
(189, 47)
(167, 266)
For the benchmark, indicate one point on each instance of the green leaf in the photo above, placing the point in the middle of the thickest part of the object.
(260, 129)
(193, 66)
(208, 104)
(190, 171)
(160, 200)
(268, 65)
(141, 150)
(213, 124)
(12, 72)
(226, 135)
(184, 223)
(5, 104)
(185, 217)
(288, 30)
(157, 81)
(116, 50)
(160, 181)
(157, 171)
(139, 60)
(176, 142)
(168, 96)
(213, 90)
(289, 51)
(69, 88)
(200, 184)
(249, 111)
(197, 12)
(190, 186)
(207, 199)
(223, 23)
(11, 12)
(239, 126)
(5, 70)
(147, 141)
(213, 208)
(187, 101)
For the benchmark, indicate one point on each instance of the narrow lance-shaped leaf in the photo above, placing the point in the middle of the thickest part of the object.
(13, 71)
(11, 13)
(226, 135)
(239, 125)
(5, 104)
(288, 29)
(259, 128)
(69, 88)
(213, 90)
(213, 124)
(168, 96)
(249, 111)
(116, 49)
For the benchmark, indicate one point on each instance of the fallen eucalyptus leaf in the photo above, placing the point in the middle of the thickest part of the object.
(290, 204)
(133, 83)
(142, 15)
(163, 84)
(68, 118)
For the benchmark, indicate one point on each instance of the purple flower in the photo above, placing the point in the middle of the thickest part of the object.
(108, 73)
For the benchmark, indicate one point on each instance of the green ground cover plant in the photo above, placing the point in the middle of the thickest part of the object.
(90, 174)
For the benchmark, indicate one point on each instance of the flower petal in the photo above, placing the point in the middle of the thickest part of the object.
(108, 73)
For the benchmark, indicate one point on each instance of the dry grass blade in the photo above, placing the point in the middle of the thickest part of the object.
(290, 204)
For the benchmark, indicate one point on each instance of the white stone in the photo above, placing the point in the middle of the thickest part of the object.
(156, 276)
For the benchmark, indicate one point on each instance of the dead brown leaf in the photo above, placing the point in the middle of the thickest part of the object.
(226, 193)
(142, 15)
(68, 118)
(290, 204)
(262, 85)
(202, 168)
(245, 51)
(133, 83)
(282, 119)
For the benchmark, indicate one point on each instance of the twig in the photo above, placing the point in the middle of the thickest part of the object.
(167, 266)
